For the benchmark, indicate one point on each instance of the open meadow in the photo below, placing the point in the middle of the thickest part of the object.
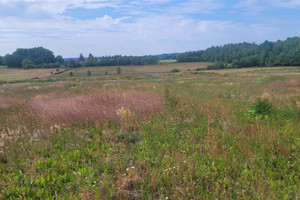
(149, 133)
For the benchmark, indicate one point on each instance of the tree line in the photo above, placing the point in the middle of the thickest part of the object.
(280, 53)
(37, 57)
(40, 57)
(116, 60)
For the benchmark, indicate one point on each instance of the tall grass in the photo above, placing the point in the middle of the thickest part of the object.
(95, 108)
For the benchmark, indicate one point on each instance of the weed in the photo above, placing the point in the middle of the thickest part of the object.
(3, 158)
(261, 109)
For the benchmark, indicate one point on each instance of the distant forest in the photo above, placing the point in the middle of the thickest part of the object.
(280, 53)
(40, 57)
(117, 60)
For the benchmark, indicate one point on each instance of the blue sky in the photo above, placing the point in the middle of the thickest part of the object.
(132, 27)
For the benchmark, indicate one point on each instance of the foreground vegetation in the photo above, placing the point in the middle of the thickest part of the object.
(148, 133)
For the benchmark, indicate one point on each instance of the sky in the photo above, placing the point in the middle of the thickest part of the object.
(144, 27)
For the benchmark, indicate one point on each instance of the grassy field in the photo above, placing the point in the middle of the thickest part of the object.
(168, 61)
(21, 74)
(148, 133)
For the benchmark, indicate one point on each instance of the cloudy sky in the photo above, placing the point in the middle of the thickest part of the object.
(140, 27)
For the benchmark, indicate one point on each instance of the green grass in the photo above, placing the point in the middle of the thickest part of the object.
(274, 78)
(207, 142)
(3, 67)
(167, 61)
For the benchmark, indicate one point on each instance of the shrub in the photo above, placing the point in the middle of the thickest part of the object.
(89, 73)
(217, 65)
(175, 70)
(119, 70)
(261, 109)
(106, 73)
(71, 74)
(199, 69)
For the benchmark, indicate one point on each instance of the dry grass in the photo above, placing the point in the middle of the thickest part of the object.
(20, 74)
(6, 102)
(133, 70)
(258, 70)
(286, 83)
(95, 108)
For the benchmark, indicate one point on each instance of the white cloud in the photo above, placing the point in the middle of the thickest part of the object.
(256, 6)
(252, 7)
(197, 6)
(52, 7)
(141, 27)
(141, 2)
(293, 4)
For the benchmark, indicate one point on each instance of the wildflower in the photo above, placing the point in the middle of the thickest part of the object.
(56, 126)
(130, 168)
(124, 113)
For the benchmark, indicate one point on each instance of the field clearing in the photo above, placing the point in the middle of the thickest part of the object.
(148, 133)
(17, 74)
(167, 61)
(135, 70)
(21, 74)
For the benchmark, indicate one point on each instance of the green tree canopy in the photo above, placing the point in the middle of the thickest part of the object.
(81, 57)
(280, 53)
(72, 64)
(59, 59)
(91, 57)
(27, 64)
(38, 55)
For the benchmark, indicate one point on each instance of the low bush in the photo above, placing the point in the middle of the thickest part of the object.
(89, 73)
(175, 70)
(261, 109)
